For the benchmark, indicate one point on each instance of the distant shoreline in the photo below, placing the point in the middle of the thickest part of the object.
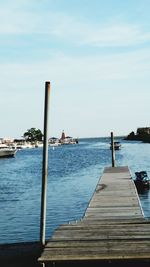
(138, 137)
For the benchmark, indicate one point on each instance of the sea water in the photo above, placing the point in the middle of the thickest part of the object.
(73, 173)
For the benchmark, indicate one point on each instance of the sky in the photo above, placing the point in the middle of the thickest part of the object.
(96, 55)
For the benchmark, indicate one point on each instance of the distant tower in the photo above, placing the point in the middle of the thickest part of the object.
(63, 135)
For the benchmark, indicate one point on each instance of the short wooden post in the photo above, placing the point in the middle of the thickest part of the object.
(112, 150)
(44, 166)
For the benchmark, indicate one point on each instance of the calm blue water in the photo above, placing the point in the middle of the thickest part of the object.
(74, 171)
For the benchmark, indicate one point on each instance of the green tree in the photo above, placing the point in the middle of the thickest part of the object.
(33, 135)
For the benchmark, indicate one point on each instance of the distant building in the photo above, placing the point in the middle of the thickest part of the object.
(64, 140)
(63, 136)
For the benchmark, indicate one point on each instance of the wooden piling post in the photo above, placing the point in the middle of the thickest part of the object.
(112, 150)
(44, 166)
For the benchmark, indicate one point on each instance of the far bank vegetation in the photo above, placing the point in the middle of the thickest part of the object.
(142, 134)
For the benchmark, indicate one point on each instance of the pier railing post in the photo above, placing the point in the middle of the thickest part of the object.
(112, 150)
(44, 166)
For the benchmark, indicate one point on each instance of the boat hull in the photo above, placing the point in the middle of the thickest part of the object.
(7, 153)
(116, 147)
(142, 185)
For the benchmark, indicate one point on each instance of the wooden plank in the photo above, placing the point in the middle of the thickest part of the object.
(112, 209)
(98, 250)
(120, 169)
(98, 243)
(96, 227)
(103, 236)
(112, 222)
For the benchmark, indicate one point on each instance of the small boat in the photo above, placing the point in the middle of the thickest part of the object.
(117, 145)
(142, 180)
(7, 151)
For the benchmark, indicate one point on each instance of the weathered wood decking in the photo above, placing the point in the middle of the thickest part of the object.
(112, 228)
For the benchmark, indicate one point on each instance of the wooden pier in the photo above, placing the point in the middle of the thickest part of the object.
(113, 227)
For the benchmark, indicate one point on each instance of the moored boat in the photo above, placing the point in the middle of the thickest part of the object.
(117, 145)
(142, 180)
(7, 151)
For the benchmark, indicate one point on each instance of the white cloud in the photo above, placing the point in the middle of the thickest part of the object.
(115, 35)
(19, 20)
(71, 72)
(100, 35)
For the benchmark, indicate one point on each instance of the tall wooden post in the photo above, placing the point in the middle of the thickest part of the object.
(112, 150)
(44, 166)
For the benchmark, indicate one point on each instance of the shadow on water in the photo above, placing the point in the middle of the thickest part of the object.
(20, 254)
